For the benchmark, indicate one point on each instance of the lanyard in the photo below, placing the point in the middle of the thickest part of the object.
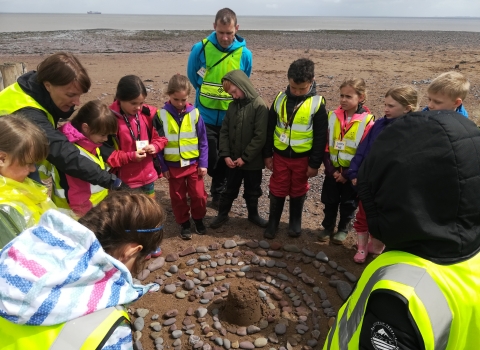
(130, 127)
(288, 122)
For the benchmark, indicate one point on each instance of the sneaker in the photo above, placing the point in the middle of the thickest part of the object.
(156, 253)
(339, 237)
(185, 232)
(200, 227)
(324, 234)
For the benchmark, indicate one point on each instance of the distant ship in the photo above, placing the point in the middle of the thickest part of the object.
(94, 13)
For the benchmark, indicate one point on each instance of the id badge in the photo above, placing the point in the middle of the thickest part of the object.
(340, 145)
(202, 72)
(141, 144)
(184, 162)
(283, 138)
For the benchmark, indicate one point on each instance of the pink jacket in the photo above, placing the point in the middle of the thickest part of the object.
(135, 174)
(78, 192)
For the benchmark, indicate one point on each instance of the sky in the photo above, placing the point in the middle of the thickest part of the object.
(366, 8)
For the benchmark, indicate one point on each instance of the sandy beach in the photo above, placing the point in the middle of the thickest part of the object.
(383, 58)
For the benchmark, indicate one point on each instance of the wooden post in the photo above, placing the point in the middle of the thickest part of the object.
(9, 73)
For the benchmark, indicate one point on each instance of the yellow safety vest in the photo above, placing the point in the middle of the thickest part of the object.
(298, 135)
(97, 193)
(352, 138)
(443, 300)
(218, 64)
(183, 140)
(83, 333)
(14, 98)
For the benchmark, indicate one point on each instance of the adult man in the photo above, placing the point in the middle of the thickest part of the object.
(420, 189)
(210, 59)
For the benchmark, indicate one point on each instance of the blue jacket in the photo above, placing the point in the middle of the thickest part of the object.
(196, 60)
(364, 148)
(460, 109)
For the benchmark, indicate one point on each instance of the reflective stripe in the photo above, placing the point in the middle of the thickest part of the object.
(345, 156)
(278, 104)
(75, 333)
(425, 288)
(332, 117)
(360, 131)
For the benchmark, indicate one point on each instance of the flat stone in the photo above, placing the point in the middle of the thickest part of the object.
(316, 334)
(326, 304)
(275, 245)
(221, 262)
(280, 329)
(275, 253)
(308, 252)
(156, 264)
(272, 338)
(214, 246)
(139, 324)
(321, 256)
(240, 274)
(177, 334)
(213, 264)
(229, 244)
(242, 331)
(235, 344)
(252, 244)
(171, 313)
(156, 335)
(264, 244)
(219, 278)
(173, 269)
(201, 312)
(282, 277)
(252, 329)
(169, 322)
(198, 345)
(171, 257)
(292, 248)
(137, 345)
(204, 257)
(343, 289)
(312, 343)
(142, 312)
(143, 275)
(333, 264)
(188, 251)
(156, 326)
(280, 264)
(170, 288)
(227, 343)
(191, 262)
(263, 324)
(189, 285)
(260, 342)
(350, 276)
(246, 345)
(202, 249)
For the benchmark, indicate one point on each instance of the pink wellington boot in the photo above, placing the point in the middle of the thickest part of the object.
(375, 246)
(362, 242)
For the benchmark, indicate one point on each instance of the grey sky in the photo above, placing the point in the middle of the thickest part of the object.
(395, 8)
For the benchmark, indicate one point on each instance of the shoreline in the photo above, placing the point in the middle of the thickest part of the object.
(143, 41)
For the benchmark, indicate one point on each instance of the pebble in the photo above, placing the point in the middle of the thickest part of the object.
(193, 339)
(180, 295)
(137, 335)
(275, 253)
(263, 324)
(240, 274)
(262, 294)
(173, 269)
(188, 251)
(156, 326)
(227, 343)
(139, 324)
(156, 264)
(171, 257)
(280, 329)
(252, 244)
(191, 262)
(292, 248)
(189, 285)
(246, 345)
(142, 312)
(235, 344)
(264, 244)
(260, 342)
(308, 253)
(321, 256)
(198, 345)
(170, 288)
(281, 264)
(213, 264)
(272, 338)
(242, 331)
(252, 329)
(350, 276)
(333, 264)
(202, 249)
(316, 334)
(218, 341)
(169, 322)
(245, 268)
(312, 343)
(219, 278)
(229, 244)
(275, 245)
(343, 289)
(155, 335)
(168, 274)
(282, 277)
(137, 345)
(143, 275)
(221, 262)
(201, 312)
(205, 257)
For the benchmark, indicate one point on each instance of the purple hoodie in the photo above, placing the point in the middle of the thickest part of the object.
(364, 148)
(201, 134)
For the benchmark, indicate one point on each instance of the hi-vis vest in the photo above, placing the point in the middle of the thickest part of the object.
(443, 300)
(97, 193)
(83, 333)
(14, 98)
(218, 64)
(352, 138)
(298, 135)
(183, 140)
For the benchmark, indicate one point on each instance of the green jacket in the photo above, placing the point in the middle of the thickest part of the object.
(244, 129)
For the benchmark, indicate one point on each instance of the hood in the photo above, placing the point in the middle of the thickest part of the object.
(58, 271)
(173, 111)
(29, 84)
(237, 42)
(240, 79)
(75, 136)
(420, 186)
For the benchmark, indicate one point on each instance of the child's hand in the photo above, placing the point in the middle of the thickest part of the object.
(336, 174)
(229, 162)
(354, 182)
(268, 163)
(139, 155)
(312, 172)
(150, 149)
(341, 179)
(202, 171)
(239, 162)
(166, 174)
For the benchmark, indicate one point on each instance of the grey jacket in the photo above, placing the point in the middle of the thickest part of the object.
(244, 129)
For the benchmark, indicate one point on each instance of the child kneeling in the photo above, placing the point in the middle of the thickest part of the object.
(242, 137)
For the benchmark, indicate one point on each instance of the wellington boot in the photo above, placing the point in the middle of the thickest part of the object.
(276, 208)
(222, 217)
(296, 211)
(252, 207)
(362, 241)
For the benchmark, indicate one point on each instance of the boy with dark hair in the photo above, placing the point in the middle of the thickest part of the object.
(242, 138)
(296, 138)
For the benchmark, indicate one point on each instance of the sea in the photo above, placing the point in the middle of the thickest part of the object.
(21, 22)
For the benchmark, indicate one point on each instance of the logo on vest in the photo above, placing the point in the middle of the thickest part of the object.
(382, 337)
(220, 90)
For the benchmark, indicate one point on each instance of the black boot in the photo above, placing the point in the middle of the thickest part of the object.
(252, 207)
(224, 208)
(296, 210)
(276, 208)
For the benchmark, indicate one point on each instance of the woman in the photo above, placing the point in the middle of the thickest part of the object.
(47, 95)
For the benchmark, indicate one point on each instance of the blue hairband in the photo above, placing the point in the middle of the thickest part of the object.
(148, 230)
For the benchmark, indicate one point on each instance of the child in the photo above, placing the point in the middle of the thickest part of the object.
(347, 126)
(138, 141)
(296, 137)
(242, 137)
(184, 160)
(88, 129)
(22, 200)
(398, 101)
(75, 294)
(447, 91)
